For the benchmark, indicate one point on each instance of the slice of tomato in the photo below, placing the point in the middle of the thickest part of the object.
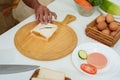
(90, 69)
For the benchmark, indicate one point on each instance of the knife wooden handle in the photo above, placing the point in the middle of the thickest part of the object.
(69, 18)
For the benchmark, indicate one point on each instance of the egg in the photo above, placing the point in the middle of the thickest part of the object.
(113, 26)
(100, 18)
(101, 25)
(113, 33)
(109, 18)
(106, 31)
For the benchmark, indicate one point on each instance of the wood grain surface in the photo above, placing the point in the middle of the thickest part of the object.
(62, 42)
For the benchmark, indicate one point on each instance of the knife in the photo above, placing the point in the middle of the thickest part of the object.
(9, 69)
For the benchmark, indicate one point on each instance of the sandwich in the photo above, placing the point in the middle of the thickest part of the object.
(44, 31)
(48, 74)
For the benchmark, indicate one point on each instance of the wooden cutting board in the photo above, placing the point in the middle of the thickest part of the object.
(62, 42)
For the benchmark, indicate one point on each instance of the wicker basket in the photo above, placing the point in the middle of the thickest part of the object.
(92, 32)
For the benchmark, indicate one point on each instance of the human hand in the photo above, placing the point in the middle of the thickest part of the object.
(44, 15)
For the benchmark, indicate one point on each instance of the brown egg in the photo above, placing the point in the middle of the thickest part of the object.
(106, 31)
(100, 18)
(101, 25)
(113, 26)
(113, 33)
(109, 18)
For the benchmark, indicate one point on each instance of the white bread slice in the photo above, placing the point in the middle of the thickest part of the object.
(40, 79)
(45, 30)
(51, 74)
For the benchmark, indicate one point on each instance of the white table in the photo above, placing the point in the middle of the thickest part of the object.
(10, 55)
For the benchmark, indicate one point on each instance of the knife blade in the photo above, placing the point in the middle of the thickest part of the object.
(9, 69)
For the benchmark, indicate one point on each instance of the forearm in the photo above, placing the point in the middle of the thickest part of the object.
(32, 3)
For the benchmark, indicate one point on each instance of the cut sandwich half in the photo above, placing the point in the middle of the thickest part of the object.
(44, 30)
(51, 74)
(40, 79)
(48, 74)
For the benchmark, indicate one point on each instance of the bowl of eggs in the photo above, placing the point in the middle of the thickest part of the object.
(104, 29)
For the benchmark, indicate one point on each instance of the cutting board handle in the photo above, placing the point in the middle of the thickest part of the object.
(69, 18)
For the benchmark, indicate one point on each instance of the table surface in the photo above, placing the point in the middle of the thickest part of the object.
(10, 55)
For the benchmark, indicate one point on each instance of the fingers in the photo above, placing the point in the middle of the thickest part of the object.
(39, 14)
(51, 15)
(54, 14)
(44, 15)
